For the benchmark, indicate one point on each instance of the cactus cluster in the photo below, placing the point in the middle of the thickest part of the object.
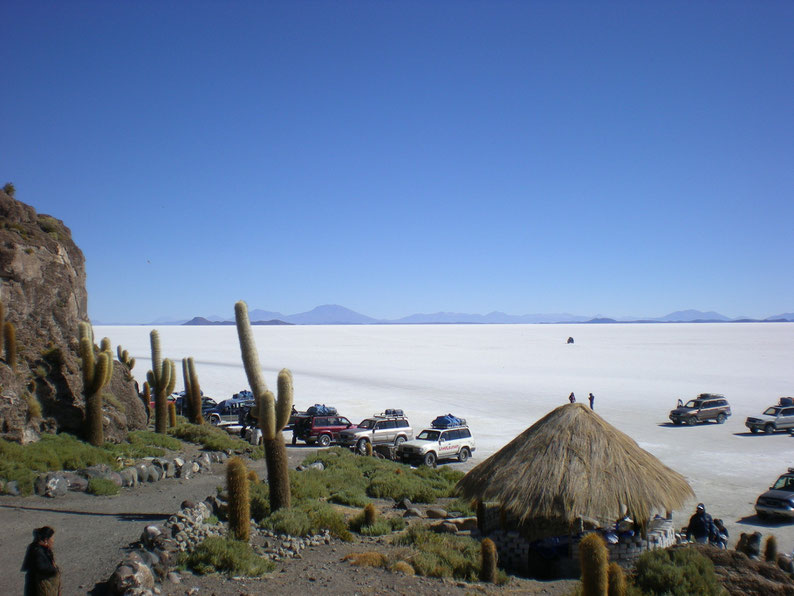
(97, 372)
(161, 379)
(273, 414)
(192, 390)
(127, 360)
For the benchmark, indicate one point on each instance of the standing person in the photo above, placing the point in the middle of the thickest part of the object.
(591, 397)
(701, 526)
(572, 398)
(43, 578)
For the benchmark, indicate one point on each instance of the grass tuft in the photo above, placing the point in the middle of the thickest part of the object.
(232, 557)
(102, 486)
(215, 439)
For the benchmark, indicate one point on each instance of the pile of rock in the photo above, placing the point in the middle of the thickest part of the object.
(149, 469)
(282, 546)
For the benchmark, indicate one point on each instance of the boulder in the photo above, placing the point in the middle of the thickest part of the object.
(131, 574)
(51, 485)
(436, 513)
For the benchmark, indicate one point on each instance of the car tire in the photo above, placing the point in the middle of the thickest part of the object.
(769, 429)
(692, 421)
(429, 459)
(215, 420)
(324, 440)
(464, 454)
(763, 515)
(754, 429)
(721, 418)
(310, 441)
(294, 439)
(361, 447)
(399, 441)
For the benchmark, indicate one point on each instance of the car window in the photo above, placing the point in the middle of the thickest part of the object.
(344, 421)
(771, 411)
(428, 435)
(388, 424)
(465, 433)
(788, 412)
(691, 404)
(319, 421)
(402, 423)
(784, 483)
(368, 423)
(445, 436)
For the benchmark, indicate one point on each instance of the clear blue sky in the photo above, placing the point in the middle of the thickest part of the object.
(625, 159)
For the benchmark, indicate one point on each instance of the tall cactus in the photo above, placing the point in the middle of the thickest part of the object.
(162, 380)
(273, 413)
(594, 559)
(97, 372)
(192, 390)
(239, 500)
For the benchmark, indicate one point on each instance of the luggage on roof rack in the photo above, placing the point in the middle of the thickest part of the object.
(321, 410)
(448, 421)
(393, 412)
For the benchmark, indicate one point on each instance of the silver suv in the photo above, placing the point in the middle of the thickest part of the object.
(773, 419)
(388, 428)
(433, 444)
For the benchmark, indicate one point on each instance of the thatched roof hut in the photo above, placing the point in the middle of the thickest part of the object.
(572, 464)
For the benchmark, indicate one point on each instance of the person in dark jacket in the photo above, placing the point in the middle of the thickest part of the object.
(701, 526)
(591, 397)
(720, 536)
(572, 398)
(42, 576)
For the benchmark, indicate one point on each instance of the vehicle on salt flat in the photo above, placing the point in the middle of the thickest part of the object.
(778, 501)
(705, 407)
(448, 438)
(774, 418)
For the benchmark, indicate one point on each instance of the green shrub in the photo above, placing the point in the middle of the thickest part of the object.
(308, 518)
(442, 555)
(345, 497)
(102, 486)
(215, 439)
(259, 493)
(233, 557)
(676, 572)
(460, 507)
(379, 528)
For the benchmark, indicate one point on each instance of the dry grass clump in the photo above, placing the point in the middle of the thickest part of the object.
(402, 567)
(366, 559)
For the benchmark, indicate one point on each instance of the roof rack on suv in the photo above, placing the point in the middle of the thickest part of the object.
(391, 413)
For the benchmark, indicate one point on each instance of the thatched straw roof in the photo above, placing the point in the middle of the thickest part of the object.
(572, 464)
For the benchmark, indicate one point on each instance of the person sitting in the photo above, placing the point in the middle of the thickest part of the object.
(720, 536)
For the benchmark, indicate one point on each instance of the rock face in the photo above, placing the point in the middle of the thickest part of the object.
(42, 288)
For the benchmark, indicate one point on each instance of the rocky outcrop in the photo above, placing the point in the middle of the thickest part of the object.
(42, 287)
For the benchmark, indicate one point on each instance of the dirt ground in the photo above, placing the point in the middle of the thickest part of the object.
(92, 534)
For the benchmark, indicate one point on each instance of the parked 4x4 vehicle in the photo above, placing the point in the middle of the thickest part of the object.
(228, 411)
(778, 501)
(434, 444)
(774, 418)
(388, 428)
(704, 407)
(320, 429)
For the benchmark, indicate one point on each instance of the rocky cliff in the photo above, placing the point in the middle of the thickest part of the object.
(42, 288)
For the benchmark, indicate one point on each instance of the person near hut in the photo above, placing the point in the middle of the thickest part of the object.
(701, 526)
(720, 536)
(42, 576)
(591, 397)
(572, 398)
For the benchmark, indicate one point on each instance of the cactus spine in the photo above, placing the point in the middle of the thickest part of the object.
(770, 550)
(97, 372)
(273, 414)
(239, 503)
(594, 558)
(192, 390)
(162, 380)
(617, 580)
(488, 559)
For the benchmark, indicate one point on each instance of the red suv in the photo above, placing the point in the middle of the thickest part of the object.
(320, 429)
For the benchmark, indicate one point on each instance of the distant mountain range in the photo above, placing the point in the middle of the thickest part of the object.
(333, 314)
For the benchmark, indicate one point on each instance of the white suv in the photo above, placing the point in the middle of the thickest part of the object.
(433, 444)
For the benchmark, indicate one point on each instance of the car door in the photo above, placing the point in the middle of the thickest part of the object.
(388, 431)
(785, 419)
(707, 411)
(447, 447)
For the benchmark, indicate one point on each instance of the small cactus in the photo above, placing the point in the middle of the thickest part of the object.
(617, 580)
(171, 414)
(239, 503)
(488, 560)
(10, 344)
(594, 558)
(368, 449)
(370, 514)
(770, 550)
